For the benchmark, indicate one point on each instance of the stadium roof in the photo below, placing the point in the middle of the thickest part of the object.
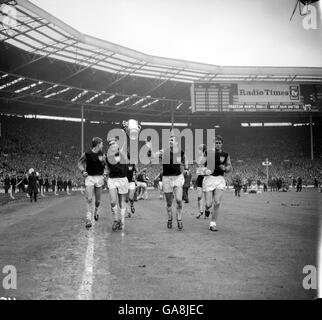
(53, 63)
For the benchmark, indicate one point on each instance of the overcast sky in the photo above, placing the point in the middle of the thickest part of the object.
(234, 32)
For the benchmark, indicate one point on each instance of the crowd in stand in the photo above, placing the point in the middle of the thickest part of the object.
(53, 148)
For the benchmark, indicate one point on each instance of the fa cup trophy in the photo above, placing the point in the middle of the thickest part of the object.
(132, 128)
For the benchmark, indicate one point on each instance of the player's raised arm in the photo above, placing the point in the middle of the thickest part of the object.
(151, 154)
(124, 154)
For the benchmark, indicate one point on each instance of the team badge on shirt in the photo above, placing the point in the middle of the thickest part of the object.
(222, 159)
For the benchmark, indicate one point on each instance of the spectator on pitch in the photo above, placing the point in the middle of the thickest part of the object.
(13, 183)
(46, 184)
(265, 186)
(186, 186)
(41, 185)
(69, 187)
(54, 186)
(20, 185)
(316, 183)
(244, 185)
(258, 184)
(25, 183)
(32, 185)
(299, 184)
(237, 183)
(6, 184)
(65, 184)
(60, 184)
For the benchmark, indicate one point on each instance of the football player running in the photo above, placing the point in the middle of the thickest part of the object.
(214, 182)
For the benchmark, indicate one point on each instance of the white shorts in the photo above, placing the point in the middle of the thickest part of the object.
(142, 184)
(210, 183)
(121, 184)
(169, 182)
(160, 185)
(97, 181)
(132, 186)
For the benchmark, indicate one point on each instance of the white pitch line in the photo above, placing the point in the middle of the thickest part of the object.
(85, 290)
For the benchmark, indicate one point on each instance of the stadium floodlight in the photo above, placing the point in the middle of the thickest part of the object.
(11, 83)
(126, 100)
(138, 102)
(150, 104)
(29, 87)
(141, 100)
(79, 96)
(36, 92)
(108, 99)
(179, 106)
(57, 93)
(52, 87)
(94, 97)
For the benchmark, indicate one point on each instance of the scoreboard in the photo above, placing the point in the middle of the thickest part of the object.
(210, 96)
(256, 97)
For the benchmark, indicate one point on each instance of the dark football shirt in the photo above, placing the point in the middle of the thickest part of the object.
(117, 165)
(94, 163)
(220, 158)
(172, 162)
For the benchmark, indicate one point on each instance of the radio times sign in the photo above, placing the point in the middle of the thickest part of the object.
(272, 93)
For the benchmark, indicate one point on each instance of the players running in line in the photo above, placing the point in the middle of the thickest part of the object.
(212, 165)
